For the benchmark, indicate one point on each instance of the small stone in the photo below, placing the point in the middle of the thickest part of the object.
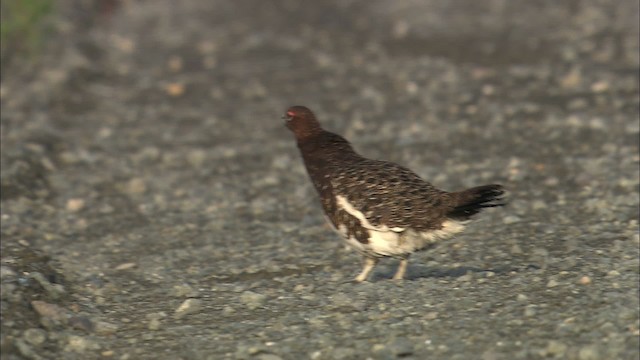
(538, 204)
(7, 273)
(556, 349)
(184, 290)
(228, 310)
(522, 297)
(253, 300)
(126, 266)
(187, 307)
(244, 351)
(341, 299)
(613, 273)
(572, 79)
(75, 205)
(50, 311)
(105, 328)
(343, 353)
(269, 357)
(589, 352)
(80, 344)
(600, 86)
(401, 347)
(552, 283)
(516, 249)
(197, 157)
(175, 63)
(174, 89)
(585, 280)
(154, 320)
(432, 315)
(55, 291)
(136, 186)
(35, 336)
(154, 324)
(530, 311)
(511, 219)
(81, 323)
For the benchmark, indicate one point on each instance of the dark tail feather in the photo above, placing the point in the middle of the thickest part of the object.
(472, 201)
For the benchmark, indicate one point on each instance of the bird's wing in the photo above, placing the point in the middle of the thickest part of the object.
(388, 197)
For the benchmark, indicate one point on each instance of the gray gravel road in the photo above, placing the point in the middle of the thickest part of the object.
(155, 207)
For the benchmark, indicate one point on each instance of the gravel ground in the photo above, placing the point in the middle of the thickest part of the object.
(155, 207)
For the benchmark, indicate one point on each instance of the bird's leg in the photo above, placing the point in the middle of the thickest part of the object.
(369, 263)
(402, 269)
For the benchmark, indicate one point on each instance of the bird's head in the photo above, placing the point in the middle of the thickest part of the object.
(301, 121)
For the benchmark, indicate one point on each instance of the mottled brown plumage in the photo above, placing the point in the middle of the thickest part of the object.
(380, 208)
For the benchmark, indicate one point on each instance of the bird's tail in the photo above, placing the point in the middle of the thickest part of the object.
(471, 201)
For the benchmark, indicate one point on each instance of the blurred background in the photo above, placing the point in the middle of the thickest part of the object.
(149, 181)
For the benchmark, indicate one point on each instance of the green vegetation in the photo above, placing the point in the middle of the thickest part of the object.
(23, 26)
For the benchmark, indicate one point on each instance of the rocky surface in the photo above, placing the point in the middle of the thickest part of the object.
(154, 206)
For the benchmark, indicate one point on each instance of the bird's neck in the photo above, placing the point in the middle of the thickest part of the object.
(323, 152)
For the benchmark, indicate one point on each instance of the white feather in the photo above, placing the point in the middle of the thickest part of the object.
(395, 241)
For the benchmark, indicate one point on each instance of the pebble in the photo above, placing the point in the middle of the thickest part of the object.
(245, 351)
(252, 300)
(269, 357)
(197, 157)
(401, 347)
(126, 266)
(589, 352)
(511, 219)
(522, 297)
(81, 323)
(613, 273)
(600, 86)
(154, 324)
(344, 353)
(184, 290)
(556, 349)
(530, 311)
(51, 311)
(80, 344)
(75, 205)
(585, 280)
(538, 204)
(552, 283)
(516, 249)
(187, 307)
(105, 328)
(432, 315)
(341, 299)
(34, 336)
(7, 273)
(55, 291)
(25, 350)
(136, 186)
(154, 320)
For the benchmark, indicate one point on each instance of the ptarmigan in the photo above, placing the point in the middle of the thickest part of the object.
(380, 208)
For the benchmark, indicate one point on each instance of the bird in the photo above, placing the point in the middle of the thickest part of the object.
(381, 209)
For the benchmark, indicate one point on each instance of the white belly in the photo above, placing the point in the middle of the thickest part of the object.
(401, 244)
